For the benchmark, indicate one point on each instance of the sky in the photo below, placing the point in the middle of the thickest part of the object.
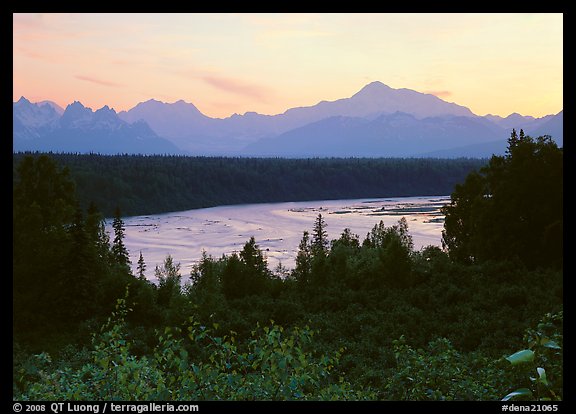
(267, 63)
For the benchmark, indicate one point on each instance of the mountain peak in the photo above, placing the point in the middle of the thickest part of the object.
(107, 115)
(23, 100)
(75, 105)
(154, 104)
(57, 108)
(150, 102)
(516, 117)
(372, 88)
(377, 97)
(32, 115)
(76, 113)
(377, 84)
(106, 109)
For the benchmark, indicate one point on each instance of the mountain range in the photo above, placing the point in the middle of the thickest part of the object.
(377, 121)
(42, 127)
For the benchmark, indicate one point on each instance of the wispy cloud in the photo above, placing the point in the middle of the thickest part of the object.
(98, 81)
(228, 84)
(33, 54)
(237, 86)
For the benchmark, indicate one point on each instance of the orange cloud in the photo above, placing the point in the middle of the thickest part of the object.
(98, 81)
(237, 87)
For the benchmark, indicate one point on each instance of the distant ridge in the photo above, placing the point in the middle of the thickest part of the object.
(376, 121)
(39, 127)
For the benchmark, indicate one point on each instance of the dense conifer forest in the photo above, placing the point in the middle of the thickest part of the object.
(156, 184)
(361, 317)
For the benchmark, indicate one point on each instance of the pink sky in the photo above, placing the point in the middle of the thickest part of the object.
(233, 63)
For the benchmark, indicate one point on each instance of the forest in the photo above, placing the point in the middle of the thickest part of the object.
(140, 184)
(361, 317)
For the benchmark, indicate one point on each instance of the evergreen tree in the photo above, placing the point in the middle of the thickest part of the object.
(320, 250)
(253, 258)
(233, 285)
(77, 289)
(119, 252)
(96, 231)
(347, 239)
(247, 273)
(206, 288)
(459, 225)
(303, 260)
(404, 237)
(203, 275)
(512, 141)
(169, 281)
(141, 267)
(320, 241)
(44, 204)
(380, 235)
(396, 263)
(512, 209)
(342, 252)
(281, 272)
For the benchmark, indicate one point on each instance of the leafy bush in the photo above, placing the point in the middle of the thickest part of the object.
(439, 372)
(540, 365)
(273, 365)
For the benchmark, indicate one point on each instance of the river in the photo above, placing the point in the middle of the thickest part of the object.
(277, 228)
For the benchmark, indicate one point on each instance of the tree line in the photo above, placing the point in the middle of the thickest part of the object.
(140, 184)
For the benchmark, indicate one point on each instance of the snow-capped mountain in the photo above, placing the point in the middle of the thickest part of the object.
(79, 129)
(377, 121)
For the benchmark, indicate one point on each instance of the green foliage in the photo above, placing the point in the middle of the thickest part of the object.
(43, 207)
(440, 373)
(246, 274)
(273, 365)
(520, 357)
(383, 260)
(459, 225)
(205, 290)
(169, 280)
(540, 366)
(493, 215)
(43, 192)
(455, 318)
(64, 272)
(381, 236)
(347, 240)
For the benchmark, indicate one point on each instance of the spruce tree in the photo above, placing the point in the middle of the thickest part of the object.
(141, 267)
(319, 237)
(43, 210)
(96, 231)
(119, 251)
(169, 281)
(320, 249)
(512, 141)
(303, 260)
(78, 284)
